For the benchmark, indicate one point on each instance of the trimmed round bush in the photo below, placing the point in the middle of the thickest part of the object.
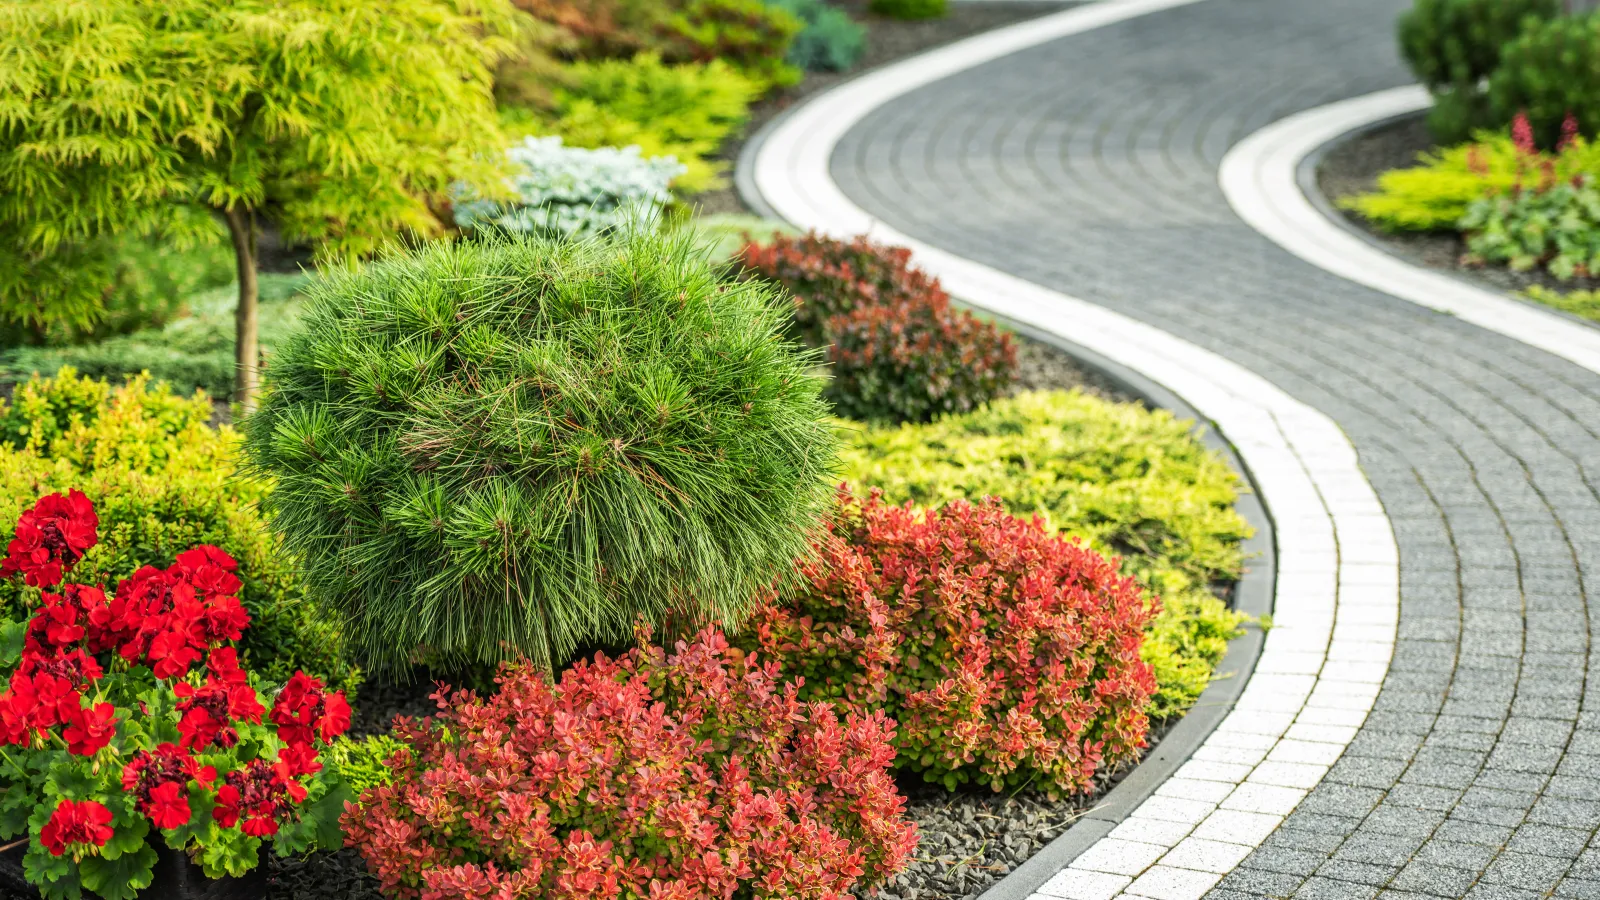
(1550, 71)
(909, 9)
(162, 481)
(511, 448)
(685, 775)
(1453, 45)
(1009, 656)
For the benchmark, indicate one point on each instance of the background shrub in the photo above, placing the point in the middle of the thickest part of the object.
(827, 277)
(909, 9)
(1132, 482)
(1579, 303)
(191, 352)
(1008, 656)
(914, 359)
(524, 446)
(694, 774)
(1555, 225)
(686, 111)
(1453, 45)
(749, 35)
(1549, 72)
(830, 42)
(162, 481)
(570, 191)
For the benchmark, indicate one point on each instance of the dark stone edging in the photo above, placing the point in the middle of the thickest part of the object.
(1305, 177)
(1253, 593)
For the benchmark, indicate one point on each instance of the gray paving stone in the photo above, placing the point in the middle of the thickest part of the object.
(1434, 880)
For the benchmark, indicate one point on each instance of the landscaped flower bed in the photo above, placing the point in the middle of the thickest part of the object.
(1509, 191)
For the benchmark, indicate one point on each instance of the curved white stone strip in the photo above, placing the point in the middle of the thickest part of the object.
(1337, 594)
(1260, 178)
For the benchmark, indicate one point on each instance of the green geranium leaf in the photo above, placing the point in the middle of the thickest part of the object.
(121, 878)
(230, 852)
(12, 635)
(127, 839)
(55, 876)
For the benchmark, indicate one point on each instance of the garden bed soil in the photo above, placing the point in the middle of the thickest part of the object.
(1352, 167)
(888, 40)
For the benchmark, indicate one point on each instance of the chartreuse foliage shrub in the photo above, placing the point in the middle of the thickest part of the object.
(685, 111)
(1132, 482)
(1579, 303)
(694, 773)
(897, 349)
(573, 192)
(1548, 74)
(1008, 655)
(518, 447)
(162, 481)
(192, 352)
(1452, 46)
(126, 713)
(909, 9)
(830, 42)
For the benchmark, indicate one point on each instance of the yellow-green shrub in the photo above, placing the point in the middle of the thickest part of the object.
(1579, 303)
(1435, 194)
(162, 481)
(1131, 481)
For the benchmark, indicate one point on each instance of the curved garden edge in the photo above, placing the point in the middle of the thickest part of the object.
(1252, 748)
(1270, 180)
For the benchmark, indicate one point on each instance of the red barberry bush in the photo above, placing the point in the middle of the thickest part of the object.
(681, 776)
(127, 713)
(1008, 655)
(898, 350)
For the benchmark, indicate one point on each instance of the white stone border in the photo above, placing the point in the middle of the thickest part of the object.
(1337, 594)
(1260, 177)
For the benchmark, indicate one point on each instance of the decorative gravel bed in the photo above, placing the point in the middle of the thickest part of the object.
(1353, 167)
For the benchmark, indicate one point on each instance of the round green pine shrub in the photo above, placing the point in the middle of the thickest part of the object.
(162, 481)
(1008, 655)
(1453, 45)
(909, 9)
(1550, 72)
(694, 773)
(520, 447)
(830, 42)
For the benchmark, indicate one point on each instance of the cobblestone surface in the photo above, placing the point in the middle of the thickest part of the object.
(1089, 165)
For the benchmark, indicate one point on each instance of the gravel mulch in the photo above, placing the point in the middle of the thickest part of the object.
(1353, 168)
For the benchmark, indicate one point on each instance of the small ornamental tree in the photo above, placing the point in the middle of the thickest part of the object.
(341, 120)
(507, 448)
(127, 714)
(692, 774)
(1008, 655)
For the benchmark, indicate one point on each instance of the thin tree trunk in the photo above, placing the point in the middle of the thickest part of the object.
(247, 352)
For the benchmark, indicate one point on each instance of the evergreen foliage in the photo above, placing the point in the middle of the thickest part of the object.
(1549, 73)
(831, 40)
(342, 119)
(910, 9)
(521, 447)
(1453, 45)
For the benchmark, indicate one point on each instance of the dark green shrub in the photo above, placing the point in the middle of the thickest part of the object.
(1453, 45)
(909, 9)
(830, 42)
(487, 450)
(162, 481)
(1551, 70)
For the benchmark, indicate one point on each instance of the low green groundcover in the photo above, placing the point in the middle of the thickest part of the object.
(1131, 481)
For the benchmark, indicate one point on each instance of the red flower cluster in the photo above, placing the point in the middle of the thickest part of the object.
(1007, 654)
(680, 777)
(897, 348)
(76, 823)
(169, 620)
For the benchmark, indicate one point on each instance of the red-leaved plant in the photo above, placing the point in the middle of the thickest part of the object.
(109, 728)
(1008, 655)
(682, 776)
(898, 350)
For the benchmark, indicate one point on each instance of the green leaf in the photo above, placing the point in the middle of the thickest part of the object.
(121, 878)
(127, 839)
(231, 852)
(12, 636)
(55, 876)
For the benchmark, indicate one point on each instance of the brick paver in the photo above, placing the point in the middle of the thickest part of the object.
(1089, 165)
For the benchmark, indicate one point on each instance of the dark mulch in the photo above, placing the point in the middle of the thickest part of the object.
(887, 40)
(1353, 168)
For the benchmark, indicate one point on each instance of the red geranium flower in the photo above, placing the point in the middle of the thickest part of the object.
(90, 730)
(168, 806)
(51, 538)
(209, 711)
(76, 822)
(303, 711)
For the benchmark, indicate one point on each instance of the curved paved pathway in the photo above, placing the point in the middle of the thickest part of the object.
(1089, 165)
